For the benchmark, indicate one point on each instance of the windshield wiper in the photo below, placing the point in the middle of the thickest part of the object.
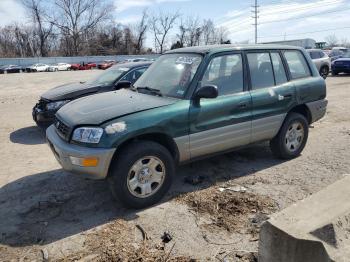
(151, 90)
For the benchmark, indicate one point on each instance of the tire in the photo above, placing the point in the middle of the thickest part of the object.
(284, 147)
(324, 71)
(131, 164)
(335, 73)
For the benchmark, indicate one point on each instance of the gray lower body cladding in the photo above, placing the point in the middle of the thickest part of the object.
(228, 137)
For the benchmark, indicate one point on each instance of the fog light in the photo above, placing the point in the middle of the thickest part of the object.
(86, 162)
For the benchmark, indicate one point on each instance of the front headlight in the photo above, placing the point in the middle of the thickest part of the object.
(56, 105)
(87, 134)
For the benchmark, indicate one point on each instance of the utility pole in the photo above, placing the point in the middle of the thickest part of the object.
(256, 12)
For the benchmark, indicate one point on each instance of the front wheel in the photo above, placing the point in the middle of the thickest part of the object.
(324, 71)
(141, 174)
(291, 139)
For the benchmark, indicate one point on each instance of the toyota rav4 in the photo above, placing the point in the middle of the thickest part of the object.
(191, 103)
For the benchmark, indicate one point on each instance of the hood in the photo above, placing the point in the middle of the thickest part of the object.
(99, 108)
(68, 91)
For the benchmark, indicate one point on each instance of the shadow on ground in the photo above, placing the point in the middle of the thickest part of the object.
(46, 207)
(31, 135)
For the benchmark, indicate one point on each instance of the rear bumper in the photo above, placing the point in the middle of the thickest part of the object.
(63, 151)
(317, 109)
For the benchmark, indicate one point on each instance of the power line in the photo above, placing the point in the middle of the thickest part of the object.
(310, 6)
(310, 32)
(307, 16)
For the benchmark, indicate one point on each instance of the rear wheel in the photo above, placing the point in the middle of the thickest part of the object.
(141, 174)
(291, 139)
(335, 73)
(324, 71)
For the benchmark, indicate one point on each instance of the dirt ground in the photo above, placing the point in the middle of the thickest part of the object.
(212, 213)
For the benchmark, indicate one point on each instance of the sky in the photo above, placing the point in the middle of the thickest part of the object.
(278, 19)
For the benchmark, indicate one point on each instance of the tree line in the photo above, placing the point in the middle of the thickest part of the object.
(88, 27)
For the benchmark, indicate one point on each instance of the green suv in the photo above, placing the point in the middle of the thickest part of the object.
(191, 103)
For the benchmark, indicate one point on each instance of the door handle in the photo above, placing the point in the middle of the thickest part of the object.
(282, 97)
(242, 105)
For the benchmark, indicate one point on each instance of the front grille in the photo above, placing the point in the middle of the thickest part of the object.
(62, 129)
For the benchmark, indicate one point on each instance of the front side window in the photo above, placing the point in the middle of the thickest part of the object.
(297, 64)
(109, 76)
(134, 75)
(260, 68)
(278, 68)
(171, 74)
(225, 72)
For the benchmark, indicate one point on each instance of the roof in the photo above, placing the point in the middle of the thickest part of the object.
(133, 64)
(222, 48)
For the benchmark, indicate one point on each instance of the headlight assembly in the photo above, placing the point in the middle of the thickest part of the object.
(56, 105)
(87, 134)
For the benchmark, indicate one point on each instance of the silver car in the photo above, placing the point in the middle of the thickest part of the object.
(321, 60)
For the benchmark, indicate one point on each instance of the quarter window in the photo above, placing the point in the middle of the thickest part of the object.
(297, 64)
(278, 68)
(226, 72)
(260, 68)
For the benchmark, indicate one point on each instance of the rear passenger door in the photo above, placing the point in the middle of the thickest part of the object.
(224, 122)
(272, 94)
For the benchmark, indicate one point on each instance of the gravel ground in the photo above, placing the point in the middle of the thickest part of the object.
(49, 214)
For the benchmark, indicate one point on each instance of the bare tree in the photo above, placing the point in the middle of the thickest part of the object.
(194, 31)
(42, 28)
(208, 32)
(331, 40)
(140, 32)
(181, 35)
(161, 24)
(77, 18)
(345, 42)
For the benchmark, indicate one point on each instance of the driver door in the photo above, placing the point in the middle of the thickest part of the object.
(224, 122)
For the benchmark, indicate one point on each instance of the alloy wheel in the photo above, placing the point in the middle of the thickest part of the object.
(146, 176)
(294, 136)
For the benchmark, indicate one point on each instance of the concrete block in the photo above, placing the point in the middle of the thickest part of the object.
(316, 229)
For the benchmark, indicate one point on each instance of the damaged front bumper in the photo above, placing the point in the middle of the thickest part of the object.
(68, 155)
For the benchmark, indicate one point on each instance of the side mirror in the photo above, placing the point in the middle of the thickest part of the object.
(122, 84)
(209, 91)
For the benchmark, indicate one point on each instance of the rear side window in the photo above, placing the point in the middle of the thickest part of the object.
(261, 72)
(278, 68)
(297, 64)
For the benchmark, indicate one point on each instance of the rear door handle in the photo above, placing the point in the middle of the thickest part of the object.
(282, 97)
(242, 105)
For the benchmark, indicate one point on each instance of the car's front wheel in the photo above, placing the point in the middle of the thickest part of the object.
(291, 139)
(324, 71)
(141, 174)
(334, 73)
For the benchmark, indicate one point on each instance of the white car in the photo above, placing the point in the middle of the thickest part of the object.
(37, 68)
(59, 67)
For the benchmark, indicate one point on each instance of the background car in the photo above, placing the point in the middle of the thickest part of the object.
(106, 64)
(37, 68)
(11, 69)
(341, 65)
(335, 54)
(116, 77)
(83, 66)
(321, 60)
(59, 67)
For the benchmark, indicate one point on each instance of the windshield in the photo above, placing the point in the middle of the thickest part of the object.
(171, 74)
(346, 55)
(109, 76)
